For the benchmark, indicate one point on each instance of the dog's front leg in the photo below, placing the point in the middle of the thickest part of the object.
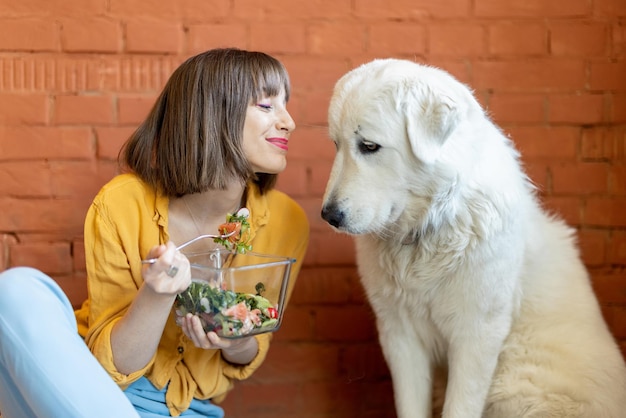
(472, 360)
(410, 368)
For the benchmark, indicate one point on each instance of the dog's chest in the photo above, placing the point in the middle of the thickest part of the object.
(398, 276)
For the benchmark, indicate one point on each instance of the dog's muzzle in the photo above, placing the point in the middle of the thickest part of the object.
(333, 215)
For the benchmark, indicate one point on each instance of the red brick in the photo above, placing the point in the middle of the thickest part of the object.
(107, 170)
(51, 258)
(78, 255)
(530, 75)
(606, 211)
(330, 285)
(46, 74)
(517, 39)
(459, 69)
(316, 111)
(580, 178)
(334, 248)
(28, 109)
(330, 39)
(133, 110)
(577, 108)
(392, 38)
(111, 139)
(297, 324)
(75, 179)
(203, 10)
(25, 179)
(36, 215)
(538, 174)
(593, 246)
(146, 9)
(312, 206)
(411, 9)
(320, 173)
(289, 10)
(618, 46)
(136, 73)
(567, 208)
(604, 143)
(517, 108)
(282, 38)
(607, 75)
(364, 361)
(249, 10)
(582, 39)
(618, 108)
(293, 180)
(6, 242)
(617, 248)
(74, 286)
(83, 110)
(299, 363)
(328, 403)
(378, 400)
(314, 73)
(91, 35)
(609, 287)
(459, 40)
(203, 37)
(36, 35)
(610, 8)
(157, 37)
(531, 8)
(617, 180)
(619, 328)
(43, 142)
(311, 142)
(268, 400)
(557, 143)
(78, 8)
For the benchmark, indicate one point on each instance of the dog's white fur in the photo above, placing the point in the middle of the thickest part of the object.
(458, 260)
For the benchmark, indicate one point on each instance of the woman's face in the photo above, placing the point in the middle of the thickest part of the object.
(266, 132)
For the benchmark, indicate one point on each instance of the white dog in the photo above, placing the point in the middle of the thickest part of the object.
(459, 262)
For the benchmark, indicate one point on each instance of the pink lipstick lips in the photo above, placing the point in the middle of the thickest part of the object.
(279, 142)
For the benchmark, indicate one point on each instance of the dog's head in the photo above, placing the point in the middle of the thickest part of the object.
(390, 121)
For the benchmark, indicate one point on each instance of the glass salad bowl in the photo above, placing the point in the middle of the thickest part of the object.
(236, 295)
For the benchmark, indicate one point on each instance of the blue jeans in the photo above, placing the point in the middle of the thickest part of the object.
(47, 370)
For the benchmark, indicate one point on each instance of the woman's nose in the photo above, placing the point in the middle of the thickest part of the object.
(286, 122)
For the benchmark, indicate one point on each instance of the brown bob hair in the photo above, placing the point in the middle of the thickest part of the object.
(191, 140)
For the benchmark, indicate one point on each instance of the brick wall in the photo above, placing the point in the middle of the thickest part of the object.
(77, 76)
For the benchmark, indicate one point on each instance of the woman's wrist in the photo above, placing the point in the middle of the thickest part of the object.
(242, 352)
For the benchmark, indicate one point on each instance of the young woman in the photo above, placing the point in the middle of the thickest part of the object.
(214, 142)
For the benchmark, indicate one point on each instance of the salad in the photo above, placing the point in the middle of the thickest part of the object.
(229, 313)
(239, 241)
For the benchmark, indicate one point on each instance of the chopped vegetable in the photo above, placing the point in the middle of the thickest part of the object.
(225, 312)
(239, 241)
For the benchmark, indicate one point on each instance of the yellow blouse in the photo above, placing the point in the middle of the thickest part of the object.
(125, 220)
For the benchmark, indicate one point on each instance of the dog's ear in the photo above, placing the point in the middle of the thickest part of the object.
(430, 119)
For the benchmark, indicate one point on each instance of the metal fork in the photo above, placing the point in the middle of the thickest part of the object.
(191, 241)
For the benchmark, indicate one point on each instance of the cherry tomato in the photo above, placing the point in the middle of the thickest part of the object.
(272, 313)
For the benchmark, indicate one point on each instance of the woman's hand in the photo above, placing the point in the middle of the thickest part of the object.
(170, 274)
(236, 351)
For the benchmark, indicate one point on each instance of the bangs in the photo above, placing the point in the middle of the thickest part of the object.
(270, 81)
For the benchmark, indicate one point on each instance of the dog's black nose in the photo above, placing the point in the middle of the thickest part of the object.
(333, 215)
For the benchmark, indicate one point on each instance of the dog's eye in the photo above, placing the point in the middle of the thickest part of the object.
(367, 147)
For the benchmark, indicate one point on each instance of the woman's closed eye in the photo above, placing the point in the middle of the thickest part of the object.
(265, 106)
